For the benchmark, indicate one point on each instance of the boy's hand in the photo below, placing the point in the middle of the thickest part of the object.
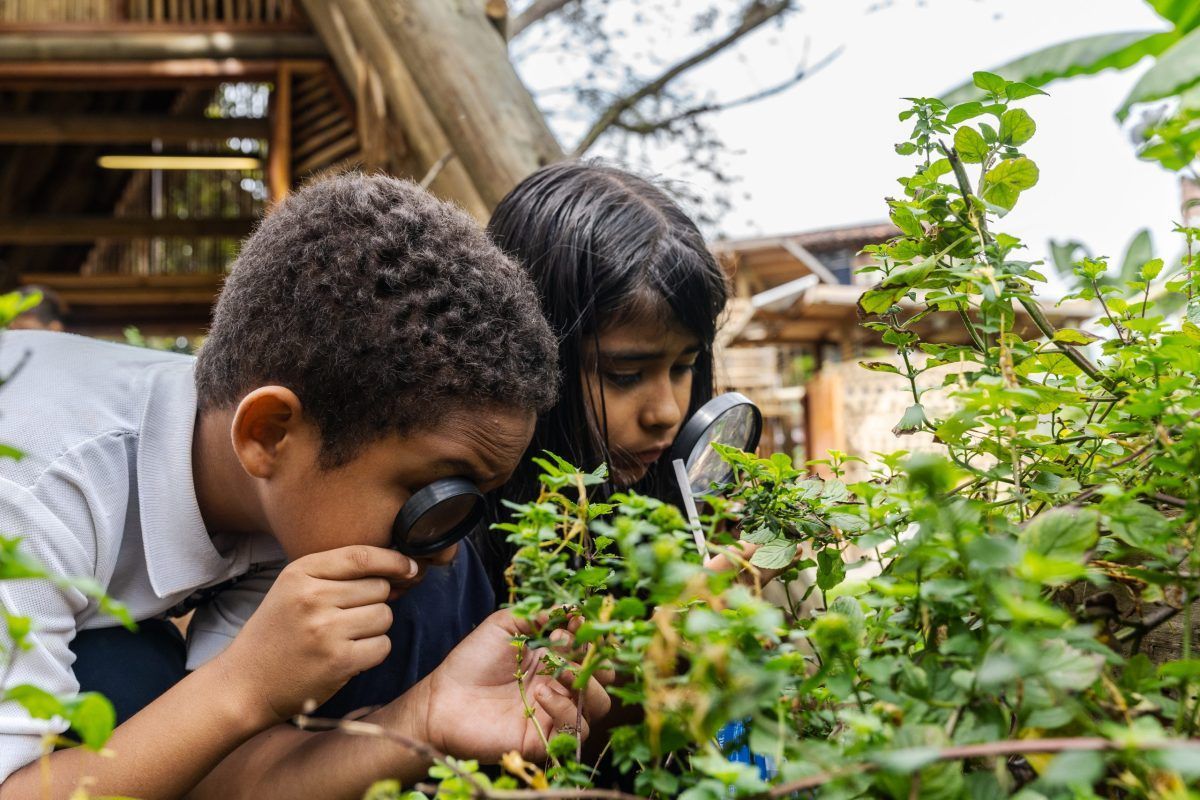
(324, 620)
(471, 704)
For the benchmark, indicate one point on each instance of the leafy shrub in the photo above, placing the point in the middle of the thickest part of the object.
(995, 649)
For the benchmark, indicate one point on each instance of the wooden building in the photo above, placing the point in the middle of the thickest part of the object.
(141, 139)
(793, 337)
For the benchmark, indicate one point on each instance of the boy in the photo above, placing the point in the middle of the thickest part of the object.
(368, 342)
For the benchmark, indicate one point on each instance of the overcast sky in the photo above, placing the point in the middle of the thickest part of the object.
(820, 154)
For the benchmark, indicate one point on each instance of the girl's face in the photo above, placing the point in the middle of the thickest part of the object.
(638, 377)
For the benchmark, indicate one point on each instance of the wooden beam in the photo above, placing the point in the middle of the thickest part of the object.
(106, 28)
(84, 230)
(123, 129)
(279, 149)
(127, 74)
(810, 262)
(156, 46)
(89, 295)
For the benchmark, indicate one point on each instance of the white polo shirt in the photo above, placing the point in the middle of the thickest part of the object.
(105, 492)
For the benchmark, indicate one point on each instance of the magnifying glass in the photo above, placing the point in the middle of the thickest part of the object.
(439, 515)
(729, 419)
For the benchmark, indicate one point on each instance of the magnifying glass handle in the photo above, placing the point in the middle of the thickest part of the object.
(689, 505)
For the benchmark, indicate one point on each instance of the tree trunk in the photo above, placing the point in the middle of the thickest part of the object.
(352, 34)
(462, 70)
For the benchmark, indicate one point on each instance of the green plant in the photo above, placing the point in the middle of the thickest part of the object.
(996, 647)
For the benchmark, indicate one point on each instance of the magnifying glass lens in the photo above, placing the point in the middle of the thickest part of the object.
(441, 519)
(437, 516)
(736, 427)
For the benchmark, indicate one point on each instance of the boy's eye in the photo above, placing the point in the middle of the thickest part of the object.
(623, 380)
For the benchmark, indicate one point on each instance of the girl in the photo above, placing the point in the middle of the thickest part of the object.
(633, 294)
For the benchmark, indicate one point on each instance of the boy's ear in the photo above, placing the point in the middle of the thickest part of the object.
(266, 421)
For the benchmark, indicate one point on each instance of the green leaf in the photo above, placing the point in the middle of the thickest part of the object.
(878, 301)
(562, 745)
(629, 608)
(7, 451)
(1184, 14)
(970, 145)
(1019, 91)
(1083, 56)
(776, 554)
(1079, 768)
(1065, 533)
(909, 275)
(38, 702)
(831, 569)
(15, 563)
(1005, 181)
(1016, 127)
(1184, 758)
(1072, 336)
(19, 629)
(1138, 525)
(989, 82)
(963, 112)
(851, 523)
(880, 366)
(1177, 69)
(92, 717)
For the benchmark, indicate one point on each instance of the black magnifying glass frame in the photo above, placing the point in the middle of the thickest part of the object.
(690, 441)
(427, 501)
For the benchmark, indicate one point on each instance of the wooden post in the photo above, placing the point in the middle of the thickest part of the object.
(279, 153)
(824, 417)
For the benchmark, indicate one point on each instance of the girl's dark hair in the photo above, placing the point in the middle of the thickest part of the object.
(602, 246)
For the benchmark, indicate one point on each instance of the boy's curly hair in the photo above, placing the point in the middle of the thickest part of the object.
(382, 308)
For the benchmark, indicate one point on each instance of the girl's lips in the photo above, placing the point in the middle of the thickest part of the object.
(651, 455)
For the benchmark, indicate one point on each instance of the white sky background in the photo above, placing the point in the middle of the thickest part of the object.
(820, 154)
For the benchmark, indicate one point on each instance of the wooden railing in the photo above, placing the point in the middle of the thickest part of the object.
(90, 14)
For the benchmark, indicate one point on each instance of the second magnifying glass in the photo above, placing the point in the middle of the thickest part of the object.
(730, 419)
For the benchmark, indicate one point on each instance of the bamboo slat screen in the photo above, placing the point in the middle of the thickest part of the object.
(248, 13)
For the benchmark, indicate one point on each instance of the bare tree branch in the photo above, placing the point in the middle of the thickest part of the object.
(536, 12)
(755, 16)
(648, 127)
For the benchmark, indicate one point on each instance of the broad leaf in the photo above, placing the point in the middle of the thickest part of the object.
(1005, 181)
(775, 554)
(1084, 56)
(1016, 127)
(970, 145)
(1184, 14)
(1177, 69)
(1065, 533)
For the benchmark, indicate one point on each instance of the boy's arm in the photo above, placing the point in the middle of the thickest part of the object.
(469, 707)
(323, 621)
(162, 751)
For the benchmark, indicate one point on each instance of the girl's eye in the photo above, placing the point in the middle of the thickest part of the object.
(623, 380)
(679, 370)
